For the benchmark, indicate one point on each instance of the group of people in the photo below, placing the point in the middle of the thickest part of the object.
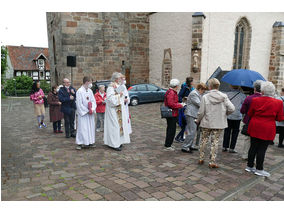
(111, 107)
(203, 112)
(208, 111)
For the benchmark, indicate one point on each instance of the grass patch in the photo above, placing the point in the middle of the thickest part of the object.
(50, 198)
(43, 194)
(71, 188)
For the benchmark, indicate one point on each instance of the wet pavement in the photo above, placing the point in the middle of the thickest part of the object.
(37, 164)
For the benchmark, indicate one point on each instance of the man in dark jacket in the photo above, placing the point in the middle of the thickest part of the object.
(67, 96)
(186, 88)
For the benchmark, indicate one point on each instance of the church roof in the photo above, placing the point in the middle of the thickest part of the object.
(23, 58)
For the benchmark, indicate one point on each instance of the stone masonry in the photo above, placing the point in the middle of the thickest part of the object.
(276, 66)
(197, 31)
(100, 42)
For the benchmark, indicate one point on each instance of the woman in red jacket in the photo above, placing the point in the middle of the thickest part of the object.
(264, 111)
(171, 100)
(100, 97)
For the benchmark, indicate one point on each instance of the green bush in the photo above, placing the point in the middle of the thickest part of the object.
(23, 92)
(45, 86)
(3, 96)
(22, 83)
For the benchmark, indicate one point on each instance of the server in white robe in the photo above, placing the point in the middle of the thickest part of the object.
(126, 96)
(86, 109)
(116, 130)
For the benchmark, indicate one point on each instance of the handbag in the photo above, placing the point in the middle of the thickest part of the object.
(166, 112)
(45, 102)
(245, 129)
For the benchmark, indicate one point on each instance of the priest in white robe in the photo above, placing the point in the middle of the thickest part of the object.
(126, 96)
(86, 109)
(116, 130)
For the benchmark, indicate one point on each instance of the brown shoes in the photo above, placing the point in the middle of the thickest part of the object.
(200, 162)
(212, 165)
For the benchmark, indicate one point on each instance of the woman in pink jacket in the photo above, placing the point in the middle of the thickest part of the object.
(37, 97)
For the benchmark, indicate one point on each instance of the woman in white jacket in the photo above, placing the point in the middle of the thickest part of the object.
(212, 116)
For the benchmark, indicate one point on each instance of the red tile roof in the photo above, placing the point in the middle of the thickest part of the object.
(22, 58)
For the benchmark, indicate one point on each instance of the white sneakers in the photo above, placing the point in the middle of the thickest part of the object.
(257, 172)
(262, 173)
(171, 148)
(250, 169)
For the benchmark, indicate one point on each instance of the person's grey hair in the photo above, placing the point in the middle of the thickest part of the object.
(268, 89)
(65, 79)
(115, 76)
(100, 86)
(257, 85)
(174, 83)
(213, 83)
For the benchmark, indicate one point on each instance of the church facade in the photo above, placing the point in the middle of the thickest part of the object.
(155, 47)
(196, 44)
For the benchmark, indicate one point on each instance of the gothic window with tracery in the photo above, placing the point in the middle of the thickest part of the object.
(242, 44)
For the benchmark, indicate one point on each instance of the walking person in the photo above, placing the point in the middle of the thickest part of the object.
(86, 109)
(212, 116)
(280, 125)
(55, 113)
(231, 133)
(37, 96)
(244, 110)
(116, 130)
(171, 101)
(67, 96)
(193, 104)
(100, 97)
(263, 113)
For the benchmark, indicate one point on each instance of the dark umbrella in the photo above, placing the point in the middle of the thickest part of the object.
(242, 77)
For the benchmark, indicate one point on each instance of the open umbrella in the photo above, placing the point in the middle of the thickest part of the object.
(242, 77)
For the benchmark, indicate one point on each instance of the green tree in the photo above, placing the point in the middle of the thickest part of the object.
(4, 65)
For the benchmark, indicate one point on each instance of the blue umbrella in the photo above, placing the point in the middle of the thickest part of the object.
(242, 77)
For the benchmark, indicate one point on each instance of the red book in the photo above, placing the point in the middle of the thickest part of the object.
(90, 107)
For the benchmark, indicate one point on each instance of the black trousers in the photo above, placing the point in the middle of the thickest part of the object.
(69, 123)
(257, 150)
(171, 131)
(231, 134)
(281, 134)
(57, 125)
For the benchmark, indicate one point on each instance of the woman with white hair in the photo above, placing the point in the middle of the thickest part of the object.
(262, 129)
(171, 101)
(212, 116)
(116, 130)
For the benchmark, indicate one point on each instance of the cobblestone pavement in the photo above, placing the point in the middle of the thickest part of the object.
(40, 165)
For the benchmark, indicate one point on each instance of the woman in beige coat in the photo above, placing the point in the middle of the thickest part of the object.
(212, 116)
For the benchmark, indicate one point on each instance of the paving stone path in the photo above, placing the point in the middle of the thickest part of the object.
(39, 165)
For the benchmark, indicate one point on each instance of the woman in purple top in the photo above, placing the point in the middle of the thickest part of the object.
(37, 97)
(244, 110)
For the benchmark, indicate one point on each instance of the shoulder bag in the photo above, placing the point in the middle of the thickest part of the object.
(166, 112)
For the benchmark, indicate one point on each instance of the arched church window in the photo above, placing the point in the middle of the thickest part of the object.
(242, 44)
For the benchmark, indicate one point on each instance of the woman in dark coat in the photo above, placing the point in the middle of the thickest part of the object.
(54, 109)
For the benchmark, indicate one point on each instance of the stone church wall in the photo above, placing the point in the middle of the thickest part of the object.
(170, 31)
(100, 41)
(218, 41)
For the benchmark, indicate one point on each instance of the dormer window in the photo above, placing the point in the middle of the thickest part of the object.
(40, 64)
